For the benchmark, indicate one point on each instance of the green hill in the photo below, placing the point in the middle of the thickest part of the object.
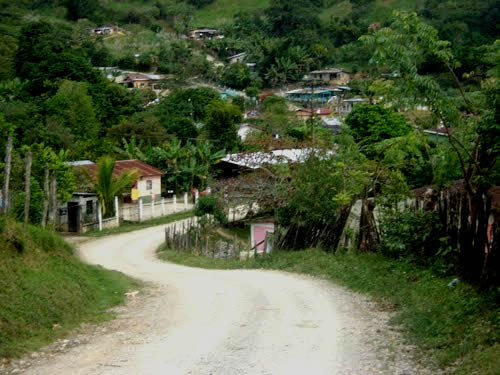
(43, 284)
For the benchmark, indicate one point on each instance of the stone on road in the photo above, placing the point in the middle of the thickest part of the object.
(197, 321)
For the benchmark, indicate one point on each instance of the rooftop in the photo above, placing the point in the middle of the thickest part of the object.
(256, 160)
(326, 71)
(144, 169)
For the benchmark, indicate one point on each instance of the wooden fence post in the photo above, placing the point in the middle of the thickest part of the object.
(175, 203)
(8, 161)
(153, 208)
(53, 199)
(46, 195)
(140, 209)
(27, 188)
(163, 207)
(185, 200)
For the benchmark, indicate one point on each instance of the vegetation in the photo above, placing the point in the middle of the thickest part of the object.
(45, 291)
(434, 65)
(108, 186)
(457, 327)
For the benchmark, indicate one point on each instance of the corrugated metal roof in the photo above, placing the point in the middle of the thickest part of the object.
(255, 160)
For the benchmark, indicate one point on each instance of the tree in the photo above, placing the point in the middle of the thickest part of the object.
(81, 8)
(190, 103)
(371, 124)
(286, 18)
(475, 133)
(221, 122)
(107, 186)
(200, 3)
(72, 108)
(8, 49)
(145, 127)
(236, 76)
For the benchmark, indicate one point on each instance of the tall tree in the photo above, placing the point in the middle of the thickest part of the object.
(221, 125)
(473, 127)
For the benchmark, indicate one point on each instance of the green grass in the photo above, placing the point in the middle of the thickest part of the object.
(456, 326)
(223, 11)
(43, 284)
(129, 226)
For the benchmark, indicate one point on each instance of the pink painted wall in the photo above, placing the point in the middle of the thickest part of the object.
(259, 231)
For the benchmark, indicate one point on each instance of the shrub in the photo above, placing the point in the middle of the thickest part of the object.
(210, 205)
(416, 236)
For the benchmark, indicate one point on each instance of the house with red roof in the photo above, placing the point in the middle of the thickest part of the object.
(147, 186)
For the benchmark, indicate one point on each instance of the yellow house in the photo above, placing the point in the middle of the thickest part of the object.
(148, 184)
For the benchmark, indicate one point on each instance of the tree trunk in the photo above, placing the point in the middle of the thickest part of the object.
(368, 234)
(8, 161)
(46, 195)
(27, 188)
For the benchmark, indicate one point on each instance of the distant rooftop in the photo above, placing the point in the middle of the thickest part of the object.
(256, 160)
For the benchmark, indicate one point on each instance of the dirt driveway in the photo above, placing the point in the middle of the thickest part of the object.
(194, 321)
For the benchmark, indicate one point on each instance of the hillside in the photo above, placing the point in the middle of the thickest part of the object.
(45, 290)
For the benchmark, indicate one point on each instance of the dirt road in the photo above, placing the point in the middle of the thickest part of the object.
(197, 321)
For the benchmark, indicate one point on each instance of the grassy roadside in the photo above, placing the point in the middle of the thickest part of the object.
(45, 291)
(129, 226)
(456, 326)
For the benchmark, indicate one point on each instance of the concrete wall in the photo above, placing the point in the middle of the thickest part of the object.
(144, 192)
(108, 223)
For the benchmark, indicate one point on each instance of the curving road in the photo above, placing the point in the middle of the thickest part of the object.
(229, 322)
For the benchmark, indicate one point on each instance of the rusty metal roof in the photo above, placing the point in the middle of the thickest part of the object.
(144, 169)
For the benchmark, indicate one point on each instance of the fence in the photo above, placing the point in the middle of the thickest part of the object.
(188, 236)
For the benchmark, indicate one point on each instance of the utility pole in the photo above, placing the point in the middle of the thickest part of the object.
(311, 106)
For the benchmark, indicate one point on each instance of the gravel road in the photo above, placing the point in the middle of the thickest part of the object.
(194, 321)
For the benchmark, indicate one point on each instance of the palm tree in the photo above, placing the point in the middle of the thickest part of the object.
(107, 186)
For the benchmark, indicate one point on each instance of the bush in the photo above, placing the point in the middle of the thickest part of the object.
(416, 236)
(210, 205)
(36, 203)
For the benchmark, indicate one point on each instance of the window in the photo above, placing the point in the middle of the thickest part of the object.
(149, 184)
(89, 207)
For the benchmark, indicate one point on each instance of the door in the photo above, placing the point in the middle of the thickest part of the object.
(73, 216)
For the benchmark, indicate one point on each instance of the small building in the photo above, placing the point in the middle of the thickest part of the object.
(438, 134)
(261, 240)
(246, 130)
(148, 184)
(79, 214)
(141, 81)
(104, 30)
(332, 75)
(307, 113)
(347, 105)
(238, 58)
(321, 95)
(334, 124)
(206, 33)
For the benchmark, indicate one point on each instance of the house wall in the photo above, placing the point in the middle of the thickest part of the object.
(144, 192)
(85, 217)
(143, 84)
